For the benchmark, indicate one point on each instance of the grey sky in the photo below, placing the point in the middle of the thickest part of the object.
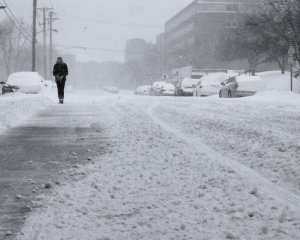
(111, 22)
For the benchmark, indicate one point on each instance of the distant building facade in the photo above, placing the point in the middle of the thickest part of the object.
(191, 37)
(135, 50)
(161, 48)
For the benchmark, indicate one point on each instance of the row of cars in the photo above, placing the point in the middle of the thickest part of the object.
(224, 84)
(157, 89)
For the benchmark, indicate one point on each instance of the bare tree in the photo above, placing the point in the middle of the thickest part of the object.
(243, 43)
(266, 27)
(12, 46)
(286, 13)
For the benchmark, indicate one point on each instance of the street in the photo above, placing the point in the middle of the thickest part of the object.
(125, 167)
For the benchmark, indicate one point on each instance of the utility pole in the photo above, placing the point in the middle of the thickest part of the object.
(45, 40)
(45, 43)
(51, 20)
(291, 53)
(34, 35)
(51, 42)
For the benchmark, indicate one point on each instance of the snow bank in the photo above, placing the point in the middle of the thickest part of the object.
(277, 97)
(16, 108)
(274, 80)
(250, 83)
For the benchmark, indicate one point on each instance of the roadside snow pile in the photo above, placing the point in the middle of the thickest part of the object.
(15, 108)
(250, 83)
(277, 97)
(274, 80)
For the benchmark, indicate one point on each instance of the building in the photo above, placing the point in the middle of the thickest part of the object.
(135, 50)
(193, 34)
(161, 48)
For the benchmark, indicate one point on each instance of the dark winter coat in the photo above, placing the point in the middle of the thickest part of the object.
(60, 70)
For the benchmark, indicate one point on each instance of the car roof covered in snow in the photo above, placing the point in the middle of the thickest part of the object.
(25, 79)
(217, 77)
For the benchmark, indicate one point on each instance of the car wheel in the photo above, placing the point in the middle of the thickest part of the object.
(229, 94)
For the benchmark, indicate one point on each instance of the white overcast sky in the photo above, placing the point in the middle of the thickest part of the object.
(112, 22)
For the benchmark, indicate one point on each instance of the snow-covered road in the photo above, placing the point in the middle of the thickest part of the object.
(183, 168)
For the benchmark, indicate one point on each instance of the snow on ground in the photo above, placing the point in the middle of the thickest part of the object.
(261, 132)
(17, 107)
(158, 184)
(274, 80)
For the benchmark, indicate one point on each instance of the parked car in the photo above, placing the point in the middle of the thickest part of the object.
(210, 84)
(2, 84)
(156, 88)
(143, 90)
(241, 86)
(186, 87)
(168, 90)
(113, 90)
(25, 82)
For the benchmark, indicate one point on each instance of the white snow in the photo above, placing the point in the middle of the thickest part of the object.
(216, 78)
(274, 80)
(27, 82)
(250, 83)
(17, 107)
(183, 168)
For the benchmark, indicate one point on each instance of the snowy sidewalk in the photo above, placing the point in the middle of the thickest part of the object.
(16, 108)
(42, 153)
(154, 185)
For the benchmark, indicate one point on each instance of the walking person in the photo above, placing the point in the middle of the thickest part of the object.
(60, 72)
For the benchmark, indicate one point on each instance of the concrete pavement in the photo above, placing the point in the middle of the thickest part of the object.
(38, 153)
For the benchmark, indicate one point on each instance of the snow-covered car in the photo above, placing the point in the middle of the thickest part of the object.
(186, 87)
(241, 86)
(210, 84)
(143, 90)
(26, 82)
(48, 84)
(113, 90)
(2, 84)
(168, 90)
(156, 88)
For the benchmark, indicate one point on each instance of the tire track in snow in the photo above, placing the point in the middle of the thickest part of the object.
(244, 171)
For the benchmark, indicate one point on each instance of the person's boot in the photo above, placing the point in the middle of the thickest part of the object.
(61, 101)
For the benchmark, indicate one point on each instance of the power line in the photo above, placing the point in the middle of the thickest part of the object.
(16, 26)
(15, 20)
(89, 48)
(97, 49)
(111, 23)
